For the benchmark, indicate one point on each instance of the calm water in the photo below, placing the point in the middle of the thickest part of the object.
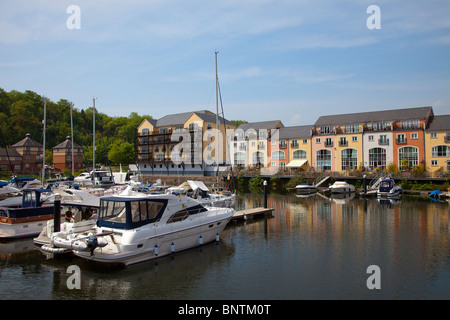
(312, 248)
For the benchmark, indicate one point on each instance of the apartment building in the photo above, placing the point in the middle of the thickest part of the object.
(437, 144)
(62, 156)
(370, 139)
(252, 144)
(183, 143)
(31, 152)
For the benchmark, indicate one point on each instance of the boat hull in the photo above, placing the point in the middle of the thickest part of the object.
(23, 229)
(305, 190)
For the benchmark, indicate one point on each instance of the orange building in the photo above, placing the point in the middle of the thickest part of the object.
(62, 156)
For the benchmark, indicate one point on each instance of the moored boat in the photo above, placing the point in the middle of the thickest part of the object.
(305, 189)
(29, 219)
(131, 229)
(388, 188)
(342, 187)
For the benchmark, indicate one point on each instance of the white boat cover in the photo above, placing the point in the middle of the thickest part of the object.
(197, 185)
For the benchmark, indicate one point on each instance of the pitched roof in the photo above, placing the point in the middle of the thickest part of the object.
(295, 132)
(374, 116)
(261, 125)
(11, 152)
(67, 144)
(27, 142)
(439, 123)
(178, 118)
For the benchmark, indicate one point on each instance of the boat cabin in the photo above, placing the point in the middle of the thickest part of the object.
(386, 185)
(131, 213)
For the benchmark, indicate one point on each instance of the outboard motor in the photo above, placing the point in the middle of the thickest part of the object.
(92, 243)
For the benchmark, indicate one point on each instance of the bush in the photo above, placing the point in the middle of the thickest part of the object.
(255, 185)
(294, 181)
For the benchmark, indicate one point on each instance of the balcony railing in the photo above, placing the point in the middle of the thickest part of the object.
(401, 141)
(383, 142)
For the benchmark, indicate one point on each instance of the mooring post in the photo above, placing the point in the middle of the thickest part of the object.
(265, 193)
(57, 214)
(364, 184)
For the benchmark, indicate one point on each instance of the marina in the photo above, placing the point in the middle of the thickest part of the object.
(313, 247)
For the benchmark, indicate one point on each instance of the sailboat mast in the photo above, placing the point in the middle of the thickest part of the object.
(43, 147)
(93, 142)
(217, 120)
(71, 134)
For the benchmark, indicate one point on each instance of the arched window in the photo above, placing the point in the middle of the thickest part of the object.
(377, 158)
(323, 159)
(258, 158)
(349, 159)
(299, 154)
(278, 155)
(408, 157)
(239, 158)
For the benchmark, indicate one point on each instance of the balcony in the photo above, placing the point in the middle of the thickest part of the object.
(283, 146)
(342, 143)
(383, 142)
(401, 141)
(328, 143)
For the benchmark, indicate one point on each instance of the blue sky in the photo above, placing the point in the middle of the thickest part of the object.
(288, 60)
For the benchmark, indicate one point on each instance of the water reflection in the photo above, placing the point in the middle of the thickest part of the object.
(310, 248)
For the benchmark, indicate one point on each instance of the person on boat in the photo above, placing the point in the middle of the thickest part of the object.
(69, 215)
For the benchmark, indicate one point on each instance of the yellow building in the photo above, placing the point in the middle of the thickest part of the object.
(296, 142)
(181, 143)
(437, 144)
(349, 146)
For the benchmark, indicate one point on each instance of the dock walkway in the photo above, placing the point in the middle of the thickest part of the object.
(250, 213)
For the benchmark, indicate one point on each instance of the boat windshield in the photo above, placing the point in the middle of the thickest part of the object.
(129, 214)
(385, 184)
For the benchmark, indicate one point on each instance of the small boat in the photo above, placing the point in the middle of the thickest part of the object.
(388, 188)
(305, 189)
(30, 218)
(137, 228)
(342, 187)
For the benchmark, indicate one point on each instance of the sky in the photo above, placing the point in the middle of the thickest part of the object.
(288, 60)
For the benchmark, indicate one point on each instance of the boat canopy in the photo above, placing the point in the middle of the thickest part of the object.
(197, 185)
(129, 213)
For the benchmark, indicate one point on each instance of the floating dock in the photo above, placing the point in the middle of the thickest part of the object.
(250, 213)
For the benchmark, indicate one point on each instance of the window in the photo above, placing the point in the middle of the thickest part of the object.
(401, 138)
(433, 135)
(351, 128)
(145, 131)
(257, 158)
(343, 141)
(408, 157)
(377, 158)
(414, 135)
(410, 124)
(354, 139)
(328, 142)
(305, 141)
(434, 163)
(371, 138)
(278, 155)
(317, 140)
(326, 130)
(440, 151)
(299, 154)
(349, 159)
(323, 159)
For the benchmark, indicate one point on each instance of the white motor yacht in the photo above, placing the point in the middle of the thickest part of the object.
(305, 189)
(132, 229)
(342, 187)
